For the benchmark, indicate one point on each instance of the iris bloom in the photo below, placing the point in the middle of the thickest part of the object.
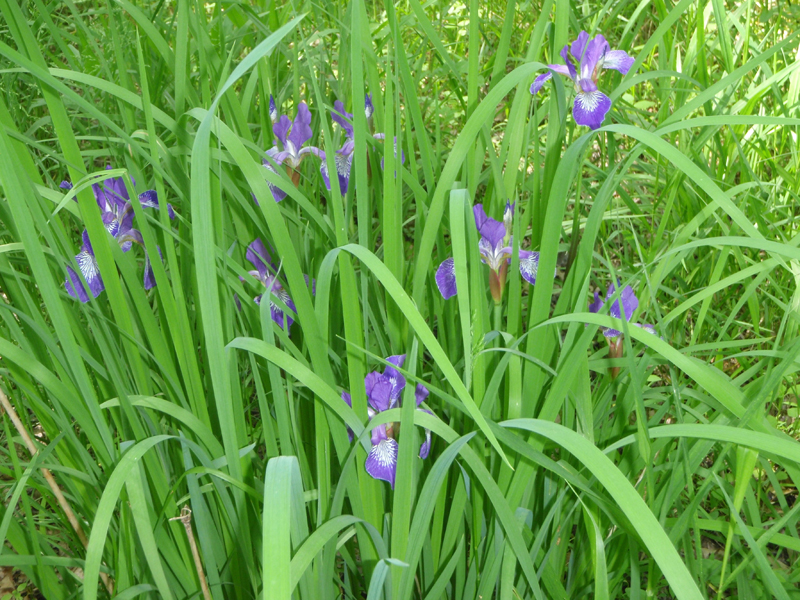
(291, 135)
(585, 59)
(384, 392)
(264, 268)
(627, 302)
(344, 155)
(117, 212)
(495, 247)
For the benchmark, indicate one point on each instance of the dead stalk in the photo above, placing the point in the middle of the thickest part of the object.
(62, 501)
(186, 519)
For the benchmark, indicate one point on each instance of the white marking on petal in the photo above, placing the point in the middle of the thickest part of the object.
(589, 101)
(385, 453)
(88, 266)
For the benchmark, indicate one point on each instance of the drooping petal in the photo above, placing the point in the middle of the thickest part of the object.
(149, 199)
(87, 264)
(540, 81)
(344, 162)
(446, 278)
(281, 129)
(282, 319)
(382, 461)
(301, 127)
(74, 285)
(618, 60)
(259, 257)
(343, 118)
(529, 265)
(590, 108)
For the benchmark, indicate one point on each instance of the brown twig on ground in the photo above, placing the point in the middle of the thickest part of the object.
(186, 519)
(62, 501)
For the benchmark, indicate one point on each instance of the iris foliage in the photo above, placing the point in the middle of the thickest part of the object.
(654, 460)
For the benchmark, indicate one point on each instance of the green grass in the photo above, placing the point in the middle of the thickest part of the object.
(547, 477)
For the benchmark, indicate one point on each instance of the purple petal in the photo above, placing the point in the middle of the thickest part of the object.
(618, 60)
(446, 278)
(344, 162)
(378, 434)
(540, 81)
(149, 276)
(528, 265)
(301, 127)
(74, 285)
(382, 461)
(595, 306)
(273, 110)
(611, 333)
(343, 118)
(421, 393)
(379, 391)
(567, 58)
(65, 185)
(369, 109)
(323, 169)
(281, 128)
(87, 264)
(149, 199)
(283, 320)
(629, 302)
(259, 257)
(579, 46)
(395, 377)
(595, 49)
(494, 231)
(590, 108)
(425, 448)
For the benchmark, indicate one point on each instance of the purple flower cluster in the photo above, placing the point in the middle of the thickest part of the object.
(626, 303)
(384, 392)
(117, 213)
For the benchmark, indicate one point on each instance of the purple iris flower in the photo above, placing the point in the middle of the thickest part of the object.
(384, 392)
(117, 213)
(585, 59)
(344, 155)
(291, 135)
(264, 268)
(629, 304)
(495, 247)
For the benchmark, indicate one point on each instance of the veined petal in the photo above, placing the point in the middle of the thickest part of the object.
(369, 109)
(395, 377)
(421, 393)
(283, 320)
(540, 81)
(344, 163)
(618, 60)
(529, 265)
(301, 127)
(494, 231)
(149, 276)
(590, 108)
(87, 264)
(382, 461)
(568, 60)
(446, 278)
(74, 285)
(149, 199)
